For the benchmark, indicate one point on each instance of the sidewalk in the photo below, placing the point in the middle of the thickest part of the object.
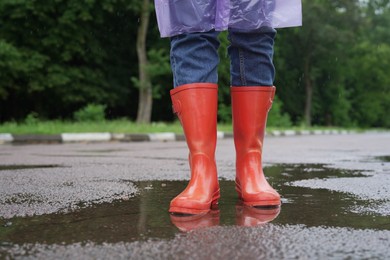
(110, 200)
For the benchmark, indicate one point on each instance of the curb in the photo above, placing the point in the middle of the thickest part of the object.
(6, 138)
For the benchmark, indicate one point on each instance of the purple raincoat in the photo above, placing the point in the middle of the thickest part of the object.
(182, 16)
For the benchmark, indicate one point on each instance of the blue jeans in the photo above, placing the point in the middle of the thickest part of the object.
(194, 57)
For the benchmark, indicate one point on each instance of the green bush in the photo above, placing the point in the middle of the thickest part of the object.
(276, 117)
(90, 113)
(32, 119)
(224, 113)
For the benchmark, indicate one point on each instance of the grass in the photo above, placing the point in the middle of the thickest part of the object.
(114, 126)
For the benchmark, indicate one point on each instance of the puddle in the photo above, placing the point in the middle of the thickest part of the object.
(102, 151)
(145, 216)
(162, 158)
(383, 158)
(75, 155)
(22, 167)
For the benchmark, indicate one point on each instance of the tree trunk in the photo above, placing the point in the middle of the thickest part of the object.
(309, 93)
(145, 101)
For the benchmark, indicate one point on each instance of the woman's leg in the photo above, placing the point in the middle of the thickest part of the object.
(252, 92)
(251, 56)
(194, 60)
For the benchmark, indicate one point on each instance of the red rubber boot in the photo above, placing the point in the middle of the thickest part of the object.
(196, 107)
(250, 106)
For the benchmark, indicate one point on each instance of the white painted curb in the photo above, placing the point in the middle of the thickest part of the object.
(304, 132)
(220, 135)
(289, 133)
(276, 133)
(118, 136)
(167, 136)
(6, 138)
(88, 137)
(162, 137)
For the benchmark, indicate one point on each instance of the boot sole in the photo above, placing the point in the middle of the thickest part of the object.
(258, 203)
(192, 211)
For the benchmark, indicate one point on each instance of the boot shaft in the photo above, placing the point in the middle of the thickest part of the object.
(196, 107)
(250, 106)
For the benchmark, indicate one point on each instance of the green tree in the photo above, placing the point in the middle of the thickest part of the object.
(368, 74)
(312, 57)
(57, 57)
(145, 101)
(153, 62)
(61, 55)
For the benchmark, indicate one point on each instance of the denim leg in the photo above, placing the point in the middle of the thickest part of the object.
(251, 57)
(194, 58)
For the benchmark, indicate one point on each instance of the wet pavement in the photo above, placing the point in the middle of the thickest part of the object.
(110, 200)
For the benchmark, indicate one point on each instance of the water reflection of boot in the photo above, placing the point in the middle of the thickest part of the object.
(252, 216)
(190, 222)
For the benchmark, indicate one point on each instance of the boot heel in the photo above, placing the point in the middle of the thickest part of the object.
(216, 197)
(214, 205)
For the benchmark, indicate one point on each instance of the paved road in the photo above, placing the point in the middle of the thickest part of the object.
(336, 191)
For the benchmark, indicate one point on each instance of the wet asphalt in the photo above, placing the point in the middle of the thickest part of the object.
(110, 201)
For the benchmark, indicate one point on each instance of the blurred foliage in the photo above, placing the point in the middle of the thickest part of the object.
(56, 57)
(276, 117)
(91, 112)
(32, 119)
